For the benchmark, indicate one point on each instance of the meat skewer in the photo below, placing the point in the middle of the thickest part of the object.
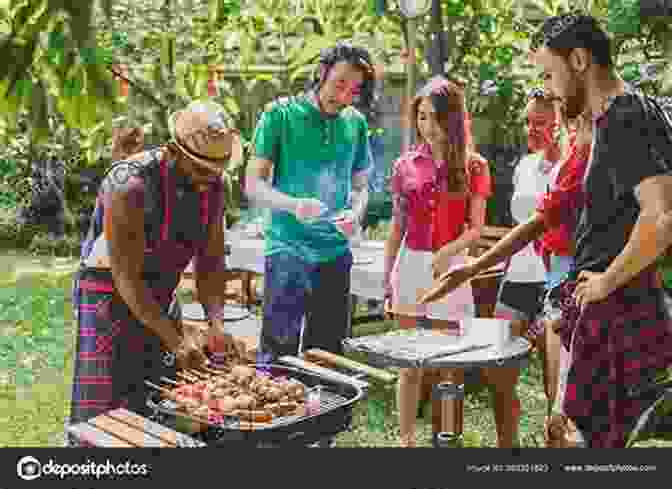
(186, 377)
(255, 399)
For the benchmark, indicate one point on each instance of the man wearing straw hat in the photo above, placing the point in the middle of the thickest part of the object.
(317, 147)
(155, 212)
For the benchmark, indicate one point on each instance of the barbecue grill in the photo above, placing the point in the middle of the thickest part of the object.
(338, 395)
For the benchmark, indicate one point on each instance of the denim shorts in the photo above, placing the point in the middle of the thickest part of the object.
(560, 269)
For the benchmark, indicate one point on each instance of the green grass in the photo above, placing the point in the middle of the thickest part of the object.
(36, 347)
(36, 350)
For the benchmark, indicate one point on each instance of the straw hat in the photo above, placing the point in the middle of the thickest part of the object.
(205, 133)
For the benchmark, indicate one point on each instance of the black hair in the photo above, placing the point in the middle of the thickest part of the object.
(353, 55)
(563, 33)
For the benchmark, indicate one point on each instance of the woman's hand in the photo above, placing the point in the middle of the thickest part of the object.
(387, 308)
(447, 283)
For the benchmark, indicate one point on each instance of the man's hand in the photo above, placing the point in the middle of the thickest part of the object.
(591, 287)
(347, 223)
(447, 283)
(307, 209)
(440, 263)
(219, 341)
(190, 354)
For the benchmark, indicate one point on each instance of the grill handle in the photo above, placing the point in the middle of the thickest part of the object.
(324, 372)
(362, 370)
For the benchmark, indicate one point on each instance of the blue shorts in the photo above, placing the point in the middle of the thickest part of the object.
(560, 268)
(295, 289)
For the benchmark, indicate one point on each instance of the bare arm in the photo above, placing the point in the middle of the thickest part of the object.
(124, 223)
(211, 272)
(360, 194)
(517, 239)
(651, 235)
(259, 190)
(392, 245)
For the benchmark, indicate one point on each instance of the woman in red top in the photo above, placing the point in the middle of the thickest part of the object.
(440, 188)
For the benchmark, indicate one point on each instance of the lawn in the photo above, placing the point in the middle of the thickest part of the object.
(36, 350)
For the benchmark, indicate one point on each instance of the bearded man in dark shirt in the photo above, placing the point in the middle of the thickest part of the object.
(614, 321)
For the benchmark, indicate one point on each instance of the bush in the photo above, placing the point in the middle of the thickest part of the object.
(43, 244)
(12, 234)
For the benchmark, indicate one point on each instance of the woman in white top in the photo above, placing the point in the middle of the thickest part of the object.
(522, 290)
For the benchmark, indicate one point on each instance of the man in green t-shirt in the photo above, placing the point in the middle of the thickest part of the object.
(316, 147)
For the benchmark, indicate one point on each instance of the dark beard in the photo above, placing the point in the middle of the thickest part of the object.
(575, 103)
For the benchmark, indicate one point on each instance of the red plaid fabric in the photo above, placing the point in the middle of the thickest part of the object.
(104, 344)
(617, 345)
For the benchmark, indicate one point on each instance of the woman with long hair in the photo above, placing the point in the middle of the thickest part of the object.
(440, 188)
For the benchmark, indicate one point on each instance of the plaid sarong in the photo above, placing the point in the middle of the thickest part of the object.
(617, 348)
(115, 352)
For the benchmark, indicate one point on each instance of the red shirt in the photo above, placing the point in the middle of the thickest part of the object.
(434, 217)
(561, 206)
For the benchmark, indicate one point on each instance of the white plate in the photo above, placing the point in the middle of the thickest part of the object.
(373, 245)
(195, 312)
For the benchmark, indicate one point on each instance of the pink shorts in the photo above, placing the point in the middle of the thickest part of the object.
(412, 276)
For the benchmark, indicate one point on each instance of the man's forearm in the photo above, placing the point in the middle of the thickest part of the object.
(464, 241)
(360, 197)
(650, 237)
(262, 194)
(143, 305)
(512, 243)
(211, 286)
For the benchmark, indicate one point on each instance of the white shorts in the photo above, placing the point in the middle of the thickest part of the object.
(412, 275)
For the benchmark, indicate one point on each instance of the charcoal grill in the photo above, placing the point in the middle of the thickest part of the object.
(339, 394)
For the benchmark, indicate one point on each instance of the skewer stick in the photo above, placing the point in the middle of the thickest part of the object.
(170, 381)
(159, 388)
(216, 373)
(202, 375)
(213, 373)
(187, 377)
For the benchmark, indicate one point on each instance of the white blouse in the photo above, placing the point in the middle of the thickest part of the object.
(532, 178)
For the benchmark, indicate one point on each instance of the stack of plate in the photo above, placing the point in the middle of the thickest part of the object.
(196, 312)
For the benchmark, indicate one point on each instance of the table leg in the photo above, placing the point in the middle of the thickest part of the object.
(451, 396)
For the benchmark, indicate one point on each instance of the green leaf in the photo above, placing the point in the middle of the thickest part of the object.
(231, 105)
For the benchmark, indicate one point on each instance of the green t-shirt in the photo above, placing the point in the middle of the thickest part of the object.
(313, 157)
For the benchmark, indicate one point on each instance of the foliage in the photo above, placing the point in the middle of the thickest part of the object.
(12, 234)
(58, 96)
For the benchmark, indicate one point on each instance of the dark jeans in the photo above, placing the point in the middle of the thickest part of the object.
(294, 289)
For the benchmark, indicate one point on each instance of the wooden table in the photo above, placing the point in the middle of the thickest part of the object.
(121, 428)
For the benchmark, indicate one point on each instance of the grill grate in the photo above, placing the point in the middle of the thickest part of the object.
(333, 415)
(328, 402)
